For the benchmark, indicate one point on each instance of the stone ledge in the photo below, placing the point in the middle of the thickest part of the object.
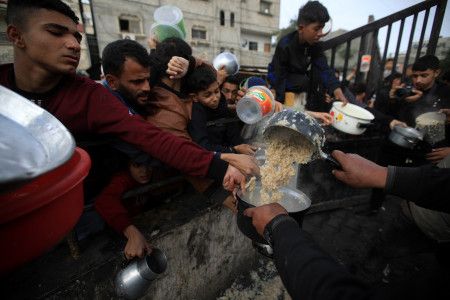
(204, 247)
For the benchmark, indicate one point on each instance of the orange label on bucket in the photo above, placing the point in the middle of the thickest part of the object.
(263, 99)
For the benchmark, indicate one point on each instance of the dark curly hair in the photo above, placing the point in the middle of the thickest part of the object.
(18, 11)
(200, 79)
(115, 54)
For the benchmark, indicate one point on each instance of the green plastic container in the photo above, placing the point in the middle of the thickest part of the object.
(167, 18)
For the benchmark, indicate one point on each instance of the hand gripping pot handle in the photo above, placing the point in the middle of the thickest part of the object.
(257, 103)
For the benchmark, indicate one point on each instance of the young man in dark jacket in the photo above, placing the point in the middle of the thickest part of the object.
(296, 51)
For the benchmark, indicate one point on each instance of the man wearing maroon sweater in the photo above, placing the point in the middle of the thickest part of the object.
(46, 54)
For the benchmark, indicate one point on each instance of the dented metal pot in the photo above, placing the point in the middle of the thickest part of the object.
(299, 123)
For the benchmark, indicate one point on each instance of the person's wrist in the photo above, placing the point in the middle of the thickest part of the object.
(270, 227)
(380, 177)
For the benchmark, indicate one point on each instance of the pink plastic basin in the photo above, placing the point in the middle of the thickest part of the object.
(37, 216)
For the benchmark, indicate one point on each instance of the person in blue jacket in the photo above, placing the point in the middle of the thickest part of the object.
(296, 51)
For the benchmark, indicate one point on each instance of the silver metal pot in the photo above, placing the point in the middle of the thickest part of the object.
(33, 141)
(133, 281)
(229, 60)
(406, 137)
(295, 202)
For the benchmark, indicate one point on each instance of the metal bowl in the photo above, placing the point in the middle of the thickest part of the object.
(295, 202)
(229, 60)
(32, 141)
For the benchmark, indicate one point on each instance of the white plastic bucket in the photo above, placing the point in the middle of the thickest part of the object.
(170, 15)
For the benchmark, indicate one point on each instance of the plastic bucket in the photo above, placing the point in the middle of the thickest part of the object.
(170, 15)
(163, 31)
(36, 217)
(257, 103)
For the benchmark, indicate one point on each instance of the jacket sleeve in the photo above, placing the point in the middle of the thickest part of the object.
(177, 152)
(278, 70)
(327, 76)
(427, 186)
(199, 131)
(108, 202)
(308, 272)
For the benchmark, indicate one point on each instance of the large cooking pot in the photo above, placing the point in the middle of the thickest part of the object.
(406, 137)
(432, 127)
(37, 216)
(293, 200)
(290, 122)
(351, 118)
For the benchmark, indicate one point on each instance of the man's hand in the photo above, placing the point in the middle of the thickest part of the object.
(397, 122)
(246, 164)
(359, 172)
(339, 96)
(446, 111)
(221, 75)
(246, 149)
(326, 118)
(136, 245)
(241, 93)
(233, 179)
(262, 215)
(438, 154)
(415, 97)
(177, 67)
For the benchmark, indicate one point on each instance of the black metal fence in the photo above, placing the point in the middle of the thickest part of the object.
(368, 37)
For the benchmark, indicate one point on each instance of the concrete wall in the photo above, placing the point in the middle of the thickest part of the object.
(205, 252)
(204, 257)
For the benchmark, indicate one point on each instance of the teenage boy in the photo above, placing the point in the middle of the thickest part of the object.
(209, 109)
(288, 71)
(430, 95)
(47, 48)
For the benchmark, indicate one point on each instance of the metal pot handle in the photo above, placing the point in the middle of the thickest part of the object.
(411, 141)
(364, 125)
(332, 161)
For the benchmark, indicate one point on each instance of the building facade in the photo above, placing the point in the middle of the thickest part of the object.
(243, 27)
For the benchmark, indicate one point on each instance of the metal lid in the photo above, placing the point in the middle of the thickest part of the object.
(407, 132)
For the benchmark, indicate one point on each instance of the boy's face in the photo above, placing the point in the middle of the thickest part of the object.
(311, 33)
(424, 80)
(49, 42)
(139, 172)
(209, 97)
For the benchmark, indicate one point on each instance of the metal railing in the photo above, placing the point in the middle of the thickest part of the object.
(368, 39)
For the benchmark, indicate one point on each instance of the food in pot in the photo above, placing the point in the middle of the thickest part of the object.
(284, 149)
(432, 126)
